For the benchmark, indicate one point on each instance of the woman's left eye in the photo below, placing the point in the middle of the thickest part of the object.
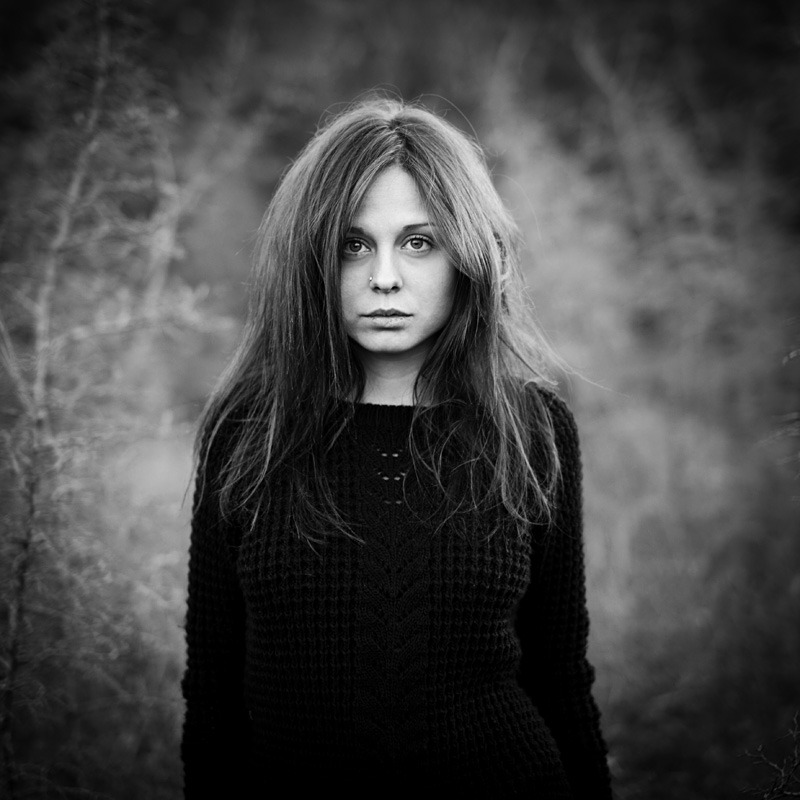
(419, 244)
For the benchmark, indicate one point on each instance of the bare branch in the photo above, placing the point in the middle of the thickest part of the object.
(32, 476)
(43, 313)
(9, 360)
(627, 130)
(785, 781)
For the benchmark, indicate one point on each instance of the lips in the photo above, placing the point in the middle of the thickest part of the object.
(386, 312)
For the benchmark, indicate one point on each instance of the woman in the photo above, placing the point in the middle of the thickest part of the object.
(386, 586)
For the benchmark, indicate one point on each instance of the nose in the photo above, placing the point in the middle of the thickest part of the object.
(385, 273)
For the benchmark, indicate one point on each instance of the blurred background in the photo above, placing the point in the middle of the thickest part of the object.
(648, 149)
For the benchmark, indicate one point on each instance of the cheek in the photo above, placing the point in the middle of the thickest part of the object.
(445, 290)
(346, 295)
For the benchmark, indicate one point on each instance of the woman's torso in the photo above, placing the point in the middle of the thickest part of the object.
(392, 661)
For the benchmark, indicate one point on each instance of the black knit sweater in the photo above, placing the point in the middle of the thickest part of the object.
(418, 661)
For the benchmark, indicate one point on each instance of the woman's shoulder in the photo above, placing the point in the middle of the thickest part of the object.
(549, 400)
(217, 438)
(558, 417)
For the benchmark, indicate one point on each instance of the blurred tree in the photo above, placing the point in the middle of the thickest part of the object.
(90, 318)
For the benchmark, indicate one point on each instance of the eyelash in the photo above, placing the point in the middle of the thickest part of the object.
(416, 237)
(425, 239)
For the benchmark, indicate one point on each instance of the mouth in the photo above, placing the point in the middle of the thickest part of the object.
(386, 312)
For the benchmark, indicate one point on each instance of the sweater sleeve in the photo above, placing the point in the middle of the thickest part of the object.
(553, 626)
(214, 748)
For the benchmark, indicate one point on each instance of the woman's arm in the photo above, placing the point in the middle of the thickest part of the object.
(215, 732)
(553, 626)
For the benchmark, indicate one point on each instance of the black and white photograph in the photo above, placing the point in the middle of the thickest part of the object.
(400, 400)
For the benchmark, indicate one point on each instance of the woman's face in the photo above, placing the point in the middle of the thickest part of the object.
(397, 283)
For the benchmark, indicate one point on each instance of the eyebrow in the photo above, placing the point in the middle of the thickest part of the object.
(414, 226)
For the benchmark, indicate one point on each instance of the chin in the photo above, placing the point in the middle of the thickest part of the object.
(385, 344)
(389, 349)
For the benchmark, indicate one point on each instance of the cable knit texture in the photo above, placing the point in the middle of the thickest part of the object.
(421, 660)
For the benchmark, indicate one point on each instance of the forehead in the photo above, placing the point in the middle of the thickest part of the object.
(393, 196)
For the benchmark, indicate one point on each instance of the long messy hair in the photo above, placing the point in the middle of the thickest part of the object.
(292, 384)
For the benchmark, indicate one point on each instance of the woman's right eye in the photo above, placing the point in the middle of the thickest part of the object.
(353, 247)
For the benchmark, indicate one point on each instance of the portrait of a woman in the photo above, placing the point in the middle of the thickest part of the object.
(386, 583)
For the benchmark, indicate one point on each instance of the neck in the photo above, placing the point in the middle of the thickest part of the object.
(389, 382)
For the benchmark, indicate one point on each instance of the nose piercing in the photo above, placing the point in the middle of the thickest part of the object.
(370, 278)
